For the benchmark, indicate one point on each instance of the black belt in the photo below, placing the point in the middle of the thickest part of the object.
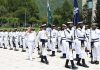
(82, 43)
(81, 37)
(53, 37)
(63, 39)
(43, 41)
(70, 45)
(92, 44)
(95, 40)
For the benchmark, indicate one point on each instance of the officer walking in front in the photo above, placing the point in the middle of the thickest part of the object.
(31, 41)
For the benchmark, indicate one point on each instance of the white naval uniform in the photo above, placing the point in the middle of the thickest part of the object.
(43, 37)
(31, 37)
(95, 44)
(69, 41)
(11, 39)
(58, 41)
(24, 40)
(54, 35)
(63, 41)
(88, 46)
(6, 39)
(20, 39)
(16, 36)
(1, 39)
(80, 42)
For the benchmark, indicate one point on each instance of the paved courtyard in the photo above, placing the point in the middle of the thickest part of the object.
(17, 60)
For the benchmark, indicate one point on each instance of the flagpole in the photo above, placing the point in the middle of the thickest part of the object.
(47, 10)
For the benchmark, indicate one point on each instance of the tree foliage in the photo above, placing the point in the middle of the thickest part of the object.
(12, 9)
(65, 13)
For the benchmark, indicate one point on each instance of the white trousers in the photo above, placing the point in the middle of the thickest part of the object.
(80, 50)
(31, 46)
(11, 43)
(16, 43)
(0, 42)
(24, 43)
(49, 44)
(64, 46)
(69, 53)
(95, 51)
(6, 42)
(59, 45)
(43, 49)
(53, 44)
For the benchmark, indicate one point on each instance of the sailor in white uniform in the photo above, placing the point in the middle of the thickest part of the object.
(80, 48)
(63, 41)
(54, 35)
(43, 37)
(69, 41)
(31, 36)
(58, 40)
(95, 37)
(1, 39)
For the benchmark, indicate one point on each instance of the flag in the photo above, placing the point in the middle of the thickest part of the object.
(76, 15)
(49, 15)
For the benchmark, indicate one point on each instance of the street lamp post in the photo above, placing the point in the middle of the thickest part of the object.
(25, 14)
(25, 17)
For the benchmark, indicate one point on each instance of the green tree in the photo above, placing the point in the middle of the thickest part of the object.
(66, 12)
(18, 9)
(57, 19)
(3, 11)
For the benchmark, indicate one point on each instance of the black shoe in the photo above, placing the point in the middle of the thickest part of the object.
(96, 62)
(11, 49)
(73, 65)
(77, 57)
(53, 53)
(42, 59)
(46, 62)
(23, 50)
(58, 51)
(0, 47)
(48, 50)
(45, 58)
(92, 62)
(64, 56)
(66, 64)
(21, 46)
(5, 48)
(84, 64)
(16, 50)
(78, 62)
